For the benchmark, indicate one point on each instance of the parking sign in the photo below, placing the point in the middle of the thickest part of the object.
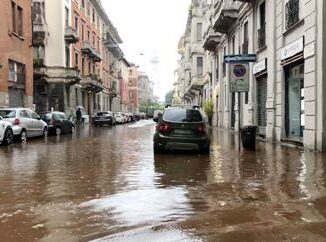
(239, 81)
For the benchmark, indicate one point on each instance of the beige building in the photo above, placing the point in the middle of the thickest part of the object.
(286, 94)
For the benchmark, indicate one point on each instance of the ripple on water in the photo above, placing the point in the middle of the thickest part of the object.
(144, 206)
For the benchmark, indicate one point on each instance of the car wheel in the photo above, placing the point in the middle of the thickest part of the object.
(58, 131)
(9, 137)
(158, 150)
(45, 132)
(23, 136)
(205, 150)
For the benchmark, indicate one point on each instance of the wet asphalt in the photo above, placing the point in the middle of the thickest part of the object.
(105, 184)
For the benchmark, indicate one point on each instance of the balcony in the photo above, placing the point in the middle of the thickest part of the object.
(87, 49)
(57, 74)
(112, 46)
(261, 37)
(71, 35)
(92, 83)
(292, 13)
(39, 34)
(225, 13)
(211, 40)
(197, 83)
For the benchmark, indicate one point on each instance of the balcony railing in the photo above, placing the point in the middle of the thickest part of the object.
(292, 13)
(262, 37)
(71, 35)
(225, 12)
(67, 75)
(92, 53)
(92, 83)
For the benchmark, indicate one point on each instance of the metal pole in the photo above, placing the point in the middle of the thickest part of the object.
(239, 113)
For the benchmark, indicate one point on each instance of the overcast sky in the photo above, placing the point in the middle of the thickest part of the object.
(150, 30)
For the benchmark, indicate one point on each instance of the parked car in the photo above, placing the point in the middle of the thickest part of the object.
(6, 132)
(103, 118)
(58, 123)
(119, 118)
(125, 117)
(136, 117)
(181, 128)
(25, 123)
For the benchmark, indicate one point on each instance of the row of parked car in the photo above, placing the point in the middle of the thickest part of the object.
(110, 118)
(22, 123)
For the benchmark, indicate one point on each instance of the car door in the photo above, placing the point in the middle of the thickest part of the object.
(37, 124)
(66, 124)
(26, 122)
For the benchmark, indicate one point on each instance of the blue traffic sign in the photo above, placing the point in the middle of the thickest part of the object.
(240, 58)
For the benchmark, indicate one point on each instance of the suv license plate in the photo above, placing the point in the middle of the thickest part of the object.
(182, 131)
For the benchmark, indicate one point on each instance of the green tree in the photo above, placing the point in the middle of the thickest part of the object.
(169, 97)
(209, 110)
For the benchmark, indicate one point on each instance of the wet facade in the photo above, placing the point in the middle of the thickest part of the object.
(16, 68)
(285, 99)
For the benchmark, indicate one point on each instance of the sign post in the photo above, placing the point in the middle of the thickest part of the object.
(239, 79)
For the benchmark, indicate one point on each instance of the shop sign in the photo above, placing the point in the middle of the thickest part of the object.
(260, 66)
(292, 49)
(239, 81)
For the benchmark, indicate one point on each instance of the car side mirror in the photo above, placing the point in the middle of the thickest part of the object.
(38, 118)
(155, 120)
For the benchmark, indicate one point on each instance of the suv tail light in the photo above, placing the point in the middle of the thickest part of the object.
(201, 129)
(17, 121)
(164, 128)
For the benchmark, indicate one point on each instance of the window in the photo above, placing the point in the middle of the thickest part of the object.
(83, 3)
(76, 96)
(88, 35)
(233, 44)
(199, 31)
(292, 13)
(67, 56)
(245, 39)
(88, 10)
(182, 115)
(261, 31)
(76, 23)
(82, 32)
(76, 59)
(13, 15)
(24, 114)
(16, 72)
(246, 97)
(66, 17)
(199, 66)
(130, 72)
(19, 21)
(83, 66)
(130, 95)
(93, 17)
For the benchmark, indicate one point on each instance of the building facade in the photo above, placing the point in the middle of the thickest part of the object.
(133, 89)
(286, 94)
(16, 54)
(76, 56)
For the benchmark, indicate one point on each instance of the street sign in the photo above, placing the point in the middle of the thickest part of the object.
(239, 58)
(239, 81)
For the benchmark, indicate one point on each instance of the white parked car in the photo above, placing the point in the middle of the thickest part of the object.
(25, 122)
(6, 132)
(119, 118)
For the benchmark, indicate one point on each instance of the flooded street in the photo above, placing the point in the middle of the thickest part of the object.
(104, 184)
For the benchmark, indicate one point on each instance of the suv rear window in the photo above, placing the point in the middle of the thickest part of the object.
(182, 115)
(8, 113)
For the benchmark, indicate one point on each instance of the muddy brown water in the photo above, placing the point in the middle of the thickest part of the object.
(105, 184)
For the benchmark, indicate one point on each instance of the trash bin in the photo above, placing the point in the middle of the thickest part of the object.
(248, 136)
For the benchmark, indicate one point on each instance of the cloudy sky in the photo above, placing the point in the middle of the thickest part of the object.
(150, 30)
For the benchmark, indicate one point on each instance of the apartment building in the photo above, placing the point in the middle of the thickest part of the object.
(145, 88)
(286, 94)
(133, 89)
(124, 82)
(16, 54)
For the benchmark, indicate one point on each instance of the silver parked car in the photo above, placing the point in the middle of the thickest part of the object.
(6, 133)
(25, 123)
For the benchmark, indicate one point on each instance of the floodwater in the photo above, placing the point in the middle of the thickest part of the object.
(104, 184)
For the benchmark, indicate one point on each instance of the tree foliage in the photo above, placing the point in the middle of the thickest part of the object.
(209, 108)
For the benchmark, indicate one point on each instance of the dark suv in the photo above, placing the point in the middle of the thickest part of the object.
(58, 122)
(181, 128)
(103, 118)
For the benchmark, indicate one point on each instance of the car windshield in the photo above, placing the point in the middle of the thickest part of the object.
(182, 115)
(8, 113)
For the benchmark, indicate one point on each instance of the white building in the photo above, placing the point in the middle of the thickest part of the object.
(286, 94)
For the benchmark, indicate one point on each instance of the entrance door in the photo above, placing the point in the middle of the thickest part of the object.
(261, 105)
(294, 103)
